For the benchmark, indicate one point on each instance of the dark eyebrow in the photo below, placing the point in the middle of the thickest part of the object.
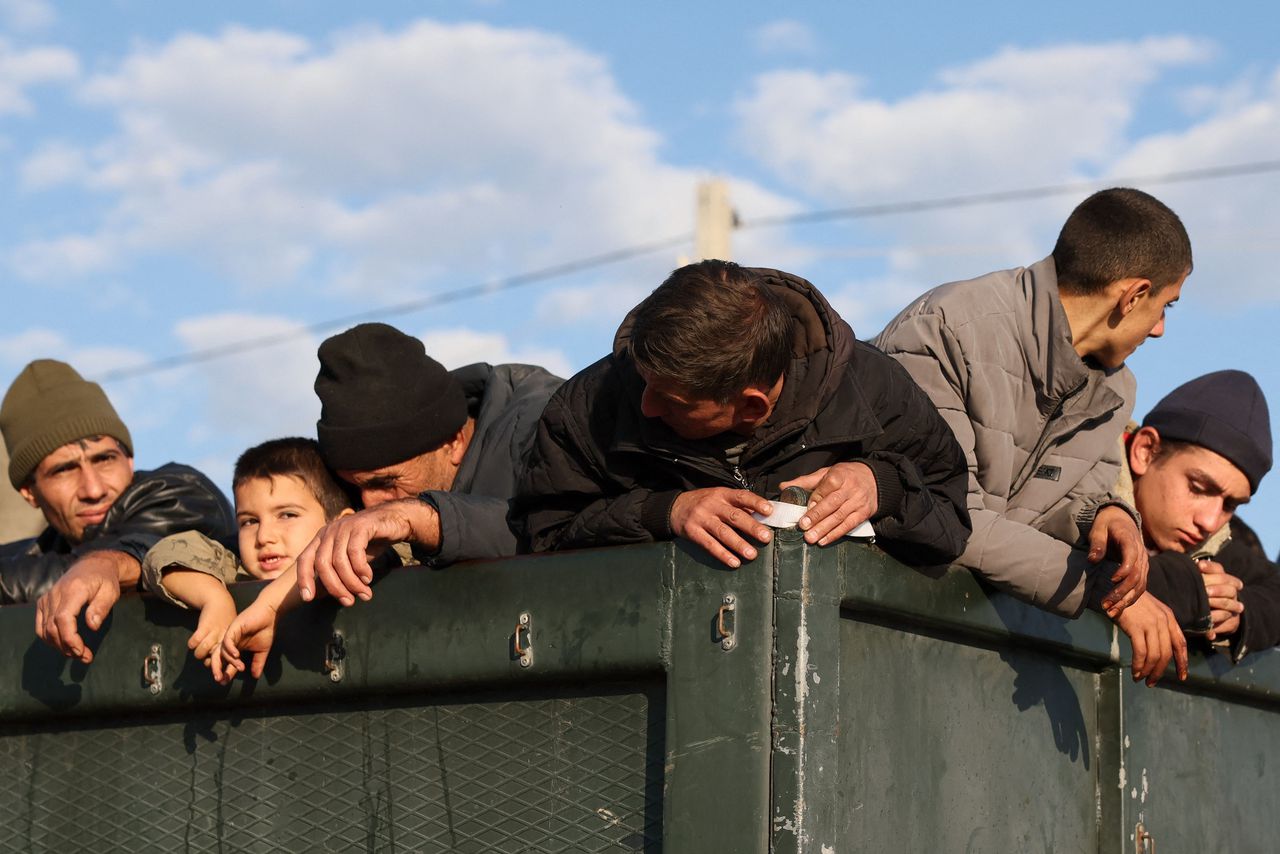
(1206, 480)
(377, 482)
(104, 455)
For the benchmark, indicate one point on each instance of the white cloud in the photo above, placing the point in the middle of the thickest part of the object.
(261, 393)
(454, 348)
(26, 15)
(480, 152)
(1232, 222)
(785, 36)
(54, 163)
(21, 69)
(1022, 115)
(1018, 118)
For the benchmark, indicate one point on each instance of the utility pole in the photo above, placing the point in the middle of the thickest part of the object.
(715, 221)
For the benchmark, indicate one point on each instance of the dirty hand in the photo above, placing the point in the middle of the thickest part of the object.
(338, 556)
(1155, 637)
(92, 584)
(715, 518)
(253, 631)
(1114, 532)
(1225, 606)
(841, 497)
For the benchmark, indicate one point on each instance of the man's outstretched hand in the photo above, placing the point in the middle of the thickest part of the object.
(92, 584)
(1155, 637)
(717, 519)
(338, 556)
(841, 497)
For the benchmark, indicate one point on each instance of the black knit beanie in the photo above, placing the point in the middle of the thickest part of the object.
(49, 405)
(1225, 412)
(383, 400)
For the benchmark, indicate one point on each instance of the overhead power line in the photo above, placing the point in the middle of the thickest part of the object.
(509, 283)
(974, 199)
(615, 256)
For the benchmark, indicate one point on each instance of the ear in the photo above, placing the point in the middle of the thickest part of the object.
(345, 511)
(753, 406)
(458, 446)
(30, 496)
(1131, 292)
(1144, 447)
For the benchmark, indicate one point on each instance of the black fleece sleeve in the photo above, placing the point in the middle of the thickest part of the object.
(1260, 622)
(921, 475)
(1175, 580)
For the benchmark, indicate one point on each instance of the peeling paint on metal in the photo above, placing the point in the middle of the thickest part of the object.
(802, 693)
(827, 849)
(1144, 785)
(1123, 778)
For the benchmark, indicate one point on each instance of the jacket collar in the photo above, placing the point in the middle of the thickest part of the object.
(1057, 371)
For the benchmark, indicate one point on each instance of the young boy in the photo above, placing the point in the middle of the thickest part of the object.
(284, 494)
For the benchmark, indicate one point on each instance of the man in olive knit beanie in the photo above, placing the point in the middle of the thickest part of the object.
(71, 457)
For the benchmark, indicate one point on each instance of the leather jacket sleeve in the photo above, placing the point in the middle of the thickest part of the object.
(165, 501)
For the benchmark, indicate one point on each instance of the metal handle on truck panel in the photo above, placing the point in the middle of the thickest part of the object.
(1143, 842)
(335, 652)
(725, 622)
(153, 670)
(524, 651)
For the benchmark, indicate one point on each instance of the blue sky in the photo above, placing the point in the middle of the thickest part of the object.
(181, 176)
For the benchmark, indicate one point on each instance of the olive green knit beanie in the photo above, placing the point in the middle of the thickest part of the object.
(49, 405)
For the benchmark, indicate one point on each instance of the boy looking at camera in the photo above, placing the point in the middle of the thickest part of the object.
(284, 494)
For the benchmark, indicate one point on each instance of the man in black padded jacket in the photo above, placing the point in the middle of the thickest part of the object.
(72, 458)
(726, 385)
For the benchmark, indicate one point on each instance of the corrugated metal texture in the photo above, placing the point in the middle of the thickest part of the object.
(578, 773)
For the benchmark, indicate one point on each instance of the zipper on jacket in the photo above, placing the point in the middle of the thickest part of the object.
(740, 478)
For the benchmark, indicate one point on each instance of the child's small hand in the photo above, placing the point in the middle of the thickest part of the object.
(215, 616)
(253, 631)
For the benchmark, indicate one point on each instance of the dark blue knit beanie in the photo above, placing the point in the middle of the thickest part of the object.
(1225, 412)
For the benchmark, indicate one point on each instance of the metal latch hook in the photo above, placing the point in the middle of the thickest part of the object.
(153, 670)
(726, 619)
(335, 654)
(524, 651)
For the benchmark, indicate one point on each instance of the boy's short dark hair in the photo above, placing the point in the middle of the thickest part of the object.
(294, 457)
(713, 328)
(1120, 233)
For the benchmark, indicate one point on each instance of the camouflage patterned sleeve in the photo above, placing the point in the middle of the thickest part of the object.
(188, 550)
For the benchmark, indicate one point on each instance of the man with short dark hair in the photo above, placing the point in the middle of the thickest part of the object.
(727, 385)
(1200, 454)
(1027, 366)
(72, 457)
(434, 453)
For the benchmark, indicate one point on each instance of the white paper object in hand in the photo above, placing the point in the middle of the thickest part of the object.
(787, 515)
